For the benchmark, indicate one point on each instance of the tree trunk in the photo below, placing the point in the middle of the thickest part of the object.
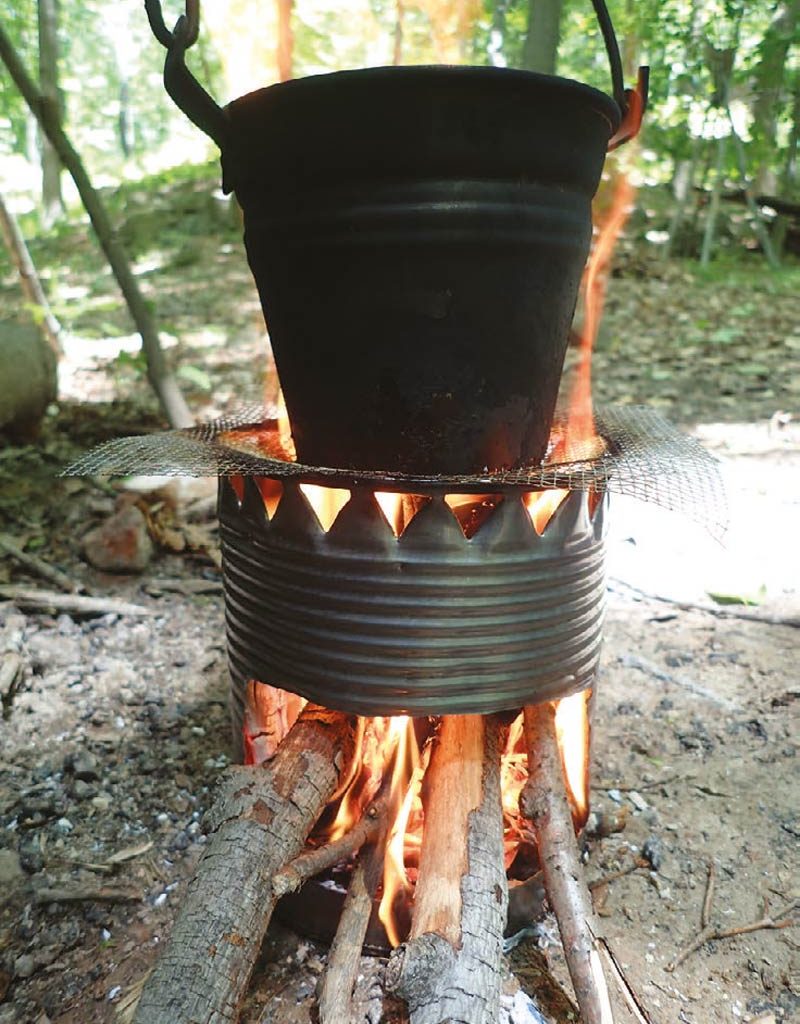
(540, 51)
(29, 279)
(789, 175)
(769, 83)
(259, 822)
(397, 42)
(52, 201)
(758, 224)
(285, 40)
(709, 234)
(682, 190)
(497, 36)
(163, 383)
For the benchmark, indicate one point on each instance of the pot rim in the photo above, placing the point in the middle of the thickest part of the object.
(418, 74)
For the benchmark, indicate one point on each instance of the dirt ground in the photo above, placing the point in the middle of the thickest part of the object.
(117, 725)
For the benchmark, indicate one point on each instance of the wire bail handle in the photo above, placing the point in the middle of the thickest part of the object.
(180, 83)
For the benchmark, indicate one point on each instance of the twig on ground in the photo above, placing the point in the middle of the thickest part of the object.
(722, 613)
(72, 604)
(109, 866)
(651, 670)
(612, 876)
(606, 786)
(83, 894)
(36, 565)
(187, 587)
(705, 913)
(712, 934)
(313, 862)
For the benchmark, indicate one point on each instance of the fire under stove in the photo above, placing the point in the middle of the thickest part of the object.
(422, 534)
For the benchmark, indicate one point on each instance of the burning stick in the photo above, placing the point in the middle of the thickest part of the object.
(314, 862)
(544, 802)
(450, 967)
(258, 823)
(336, 996)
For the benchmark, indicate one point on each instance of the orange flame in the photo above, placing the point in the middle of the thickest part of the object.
(580, 440)
(572, 732)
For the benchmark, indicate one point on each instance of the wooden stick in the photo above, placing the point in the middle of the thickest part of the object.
(259, 822)
(36, 565)
(88, 894)
(544, 801)
(711, 934)
(72, 604)
(336, 995)
(612, 876)
(710, 609)
(29, 279)
(450, 967)
(705, 913)
(312, 862)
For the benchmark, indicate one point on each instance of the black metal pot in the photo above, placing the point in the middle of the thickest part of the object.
(417, 235)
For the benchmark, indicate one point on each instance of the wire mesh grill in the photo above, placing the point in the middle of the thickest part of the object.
(643, 456)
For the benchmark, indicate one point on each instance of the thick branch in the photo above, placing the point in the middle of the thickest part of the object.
(162, 381)
(258, 822)
(544, 802)
(450, 967)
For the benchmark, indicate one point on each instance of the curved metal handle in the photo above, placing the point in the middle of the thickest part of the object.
(631, 102)
(180, 83)
(614, 59)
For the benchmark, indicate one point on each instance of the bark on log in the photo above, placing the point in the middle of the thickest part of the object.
(544, 801)
(258, 823)
(449, 970)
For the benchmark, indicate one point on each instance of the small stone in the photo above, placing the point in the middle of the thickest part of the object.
(638, 800)
(653, 852)
(121, 544)
(102, 801)
(64, 826)
(24, 966)
(10, 867)
(82, 790)
(30, 855)
(85, 767)
(180, 842)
